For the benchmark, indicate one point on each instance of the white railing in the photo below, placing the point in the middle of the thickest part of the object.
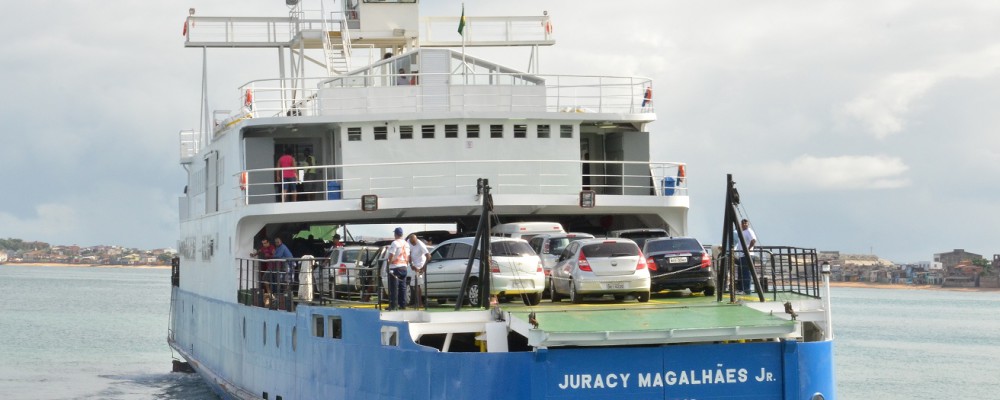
(379, 93)
(444, 178)
(245, 31)
(486, 31)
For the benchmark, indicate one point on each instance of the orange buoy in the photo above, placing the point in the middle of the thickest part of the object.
(681, 173)
(243, 180)
(248, 98)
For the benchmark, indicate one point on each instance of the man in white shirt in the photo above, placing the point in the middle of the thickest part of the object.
(746, 262)
(419, 256)
(399, 258)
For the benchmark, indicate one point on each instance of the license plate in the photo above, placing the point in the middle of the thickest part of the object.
(678, 260)
(615, 285)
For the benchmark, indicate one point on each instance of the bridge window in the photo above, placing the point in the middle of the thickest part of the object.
(381, 133)
(472, 131)
(354, 134)
(451, 131)
(496, 131)
(520, 131)
(566, 131)
(427, 131)
(406, 132)
(543, 131)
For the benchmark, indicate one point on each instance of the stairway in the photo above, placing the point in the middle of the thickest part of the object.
(337, 48)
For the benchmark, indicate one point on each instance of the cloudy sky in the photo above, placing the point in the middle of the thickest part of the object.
(853, 126)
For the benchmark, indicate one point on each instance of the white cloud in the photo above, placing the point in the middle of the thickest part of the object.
(49, 220)
(840, 173)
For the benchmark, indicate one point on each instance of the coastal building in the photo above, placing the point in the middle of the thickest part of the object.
(952, 258)
(3, 256)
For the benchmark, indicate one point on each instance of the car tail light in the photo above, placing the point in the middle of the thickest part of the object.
(642, 262)
(342, 270)
(651, 263)
(583, 263)
(706, 261)
(539, 269)
(494, 267)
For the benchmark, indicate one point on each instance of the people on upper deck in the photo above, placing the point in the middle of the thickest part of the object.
(401, 79)
(398, 256)
(287, 175)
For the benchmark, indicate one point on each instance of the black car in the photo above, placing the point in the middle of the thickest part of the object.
(679, 263)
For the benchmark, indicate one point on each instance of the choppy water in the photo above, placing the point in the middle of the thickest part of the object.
(100, 333)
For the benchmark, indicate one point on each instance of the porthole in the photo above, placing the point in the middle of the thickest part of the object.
(265, 333)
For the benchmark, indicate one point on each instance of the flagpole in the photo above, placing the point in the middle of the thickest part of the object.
(465, 67)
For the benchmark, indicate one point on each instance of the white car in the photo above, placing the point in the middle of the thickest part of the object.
(515, 270)
(345, 269)
(600, 266)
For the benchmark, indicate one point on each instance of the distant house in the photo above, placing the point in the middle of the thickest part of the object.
(953, 258)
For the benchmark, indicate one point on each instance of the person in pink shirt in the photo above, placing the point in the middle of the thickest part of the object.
(288, 175)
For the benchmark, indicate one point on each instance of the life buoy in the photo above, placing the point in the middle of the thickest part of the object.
(681, 173)
(548, 26)
(243, 180)
(248, 98)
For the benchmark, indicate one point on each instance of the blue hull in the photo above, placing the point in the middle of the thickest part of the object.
(245, 352)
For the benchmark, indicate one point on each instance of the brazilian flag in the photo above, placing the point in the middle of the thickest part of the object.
(461, 22)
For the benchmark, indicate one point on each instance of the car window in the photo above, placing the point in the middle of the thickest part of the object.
(460, 250)
(569, 251)
(610, 249)
(350, 256)
(673, 245)
(536, 243)
(441, 253)
(510, 248)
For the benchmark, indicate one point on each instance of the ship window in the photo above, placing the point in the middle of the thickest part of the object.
(451, 131)
(336, 330)
(566, 131)
(406, 132)
(472, 131)
(265, 333)
(381, 133)
(295, 337)
(354, 134)
(427, 131)
(520, 131)
(277, 336)
(496, 131)
(318, 326)
(543, 131)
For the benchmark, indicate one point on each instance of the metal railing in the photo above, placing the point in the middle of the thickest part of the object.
(335, 182)
(780, 269)
(378, 93)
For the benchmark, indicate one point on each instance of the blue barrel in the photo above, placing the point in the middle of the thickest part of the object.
(668, 186)
(333, 190)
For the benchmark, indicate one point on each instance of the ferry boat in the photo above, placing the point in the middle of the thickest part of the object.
(394, 121)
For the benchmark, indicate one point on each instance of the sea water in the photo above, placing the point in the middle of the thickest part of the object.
(100, 333)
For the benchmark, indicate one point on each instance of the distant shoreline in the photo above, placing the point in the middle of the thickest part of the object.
(33, 264)
(910, 287)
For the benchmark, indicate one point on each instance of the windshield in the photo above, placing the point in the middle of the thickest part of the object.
(610, 249)
(673, 245)
(511, 248)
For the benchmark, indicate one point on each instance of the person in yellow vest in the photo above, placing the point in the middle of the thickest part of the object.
(398, 262)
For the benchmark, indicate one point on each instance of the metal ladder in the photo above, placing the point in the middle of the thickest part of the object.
(338, 55)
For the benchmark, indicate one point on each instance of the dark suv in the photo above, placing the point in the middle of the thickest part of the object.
(679, 263)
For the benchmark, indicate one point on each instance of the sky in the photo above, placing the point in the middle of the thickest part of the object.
(863, 127)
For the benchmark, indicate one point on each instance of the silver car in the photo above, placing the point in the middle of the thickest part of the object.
(550, 245)
(515, 270)
(600, 266)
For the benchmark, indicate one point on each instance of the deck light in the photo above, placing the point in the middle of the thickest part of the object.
(588, 198)
(369, 202)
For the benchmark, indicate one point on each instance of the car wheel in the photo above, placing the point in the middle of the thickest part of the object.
(643, 297)
(709, 291)
(575, 297)
(532, 299)
(472, 293)
(555, 296)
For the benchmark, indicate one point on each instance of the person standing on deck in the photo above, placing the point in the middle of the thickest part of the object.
(282, 268)
(398, 260)
(310, 176)
(746, 261)
(265, 252)
(419, 256)
(286, 175)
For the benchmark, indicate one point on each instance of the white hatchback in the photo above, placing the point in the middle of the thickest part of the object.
(515, 270)
(600, 266)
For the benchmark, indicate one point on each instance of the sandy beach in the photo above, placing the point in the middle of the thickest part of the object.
(909, 287)
(87, 265)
